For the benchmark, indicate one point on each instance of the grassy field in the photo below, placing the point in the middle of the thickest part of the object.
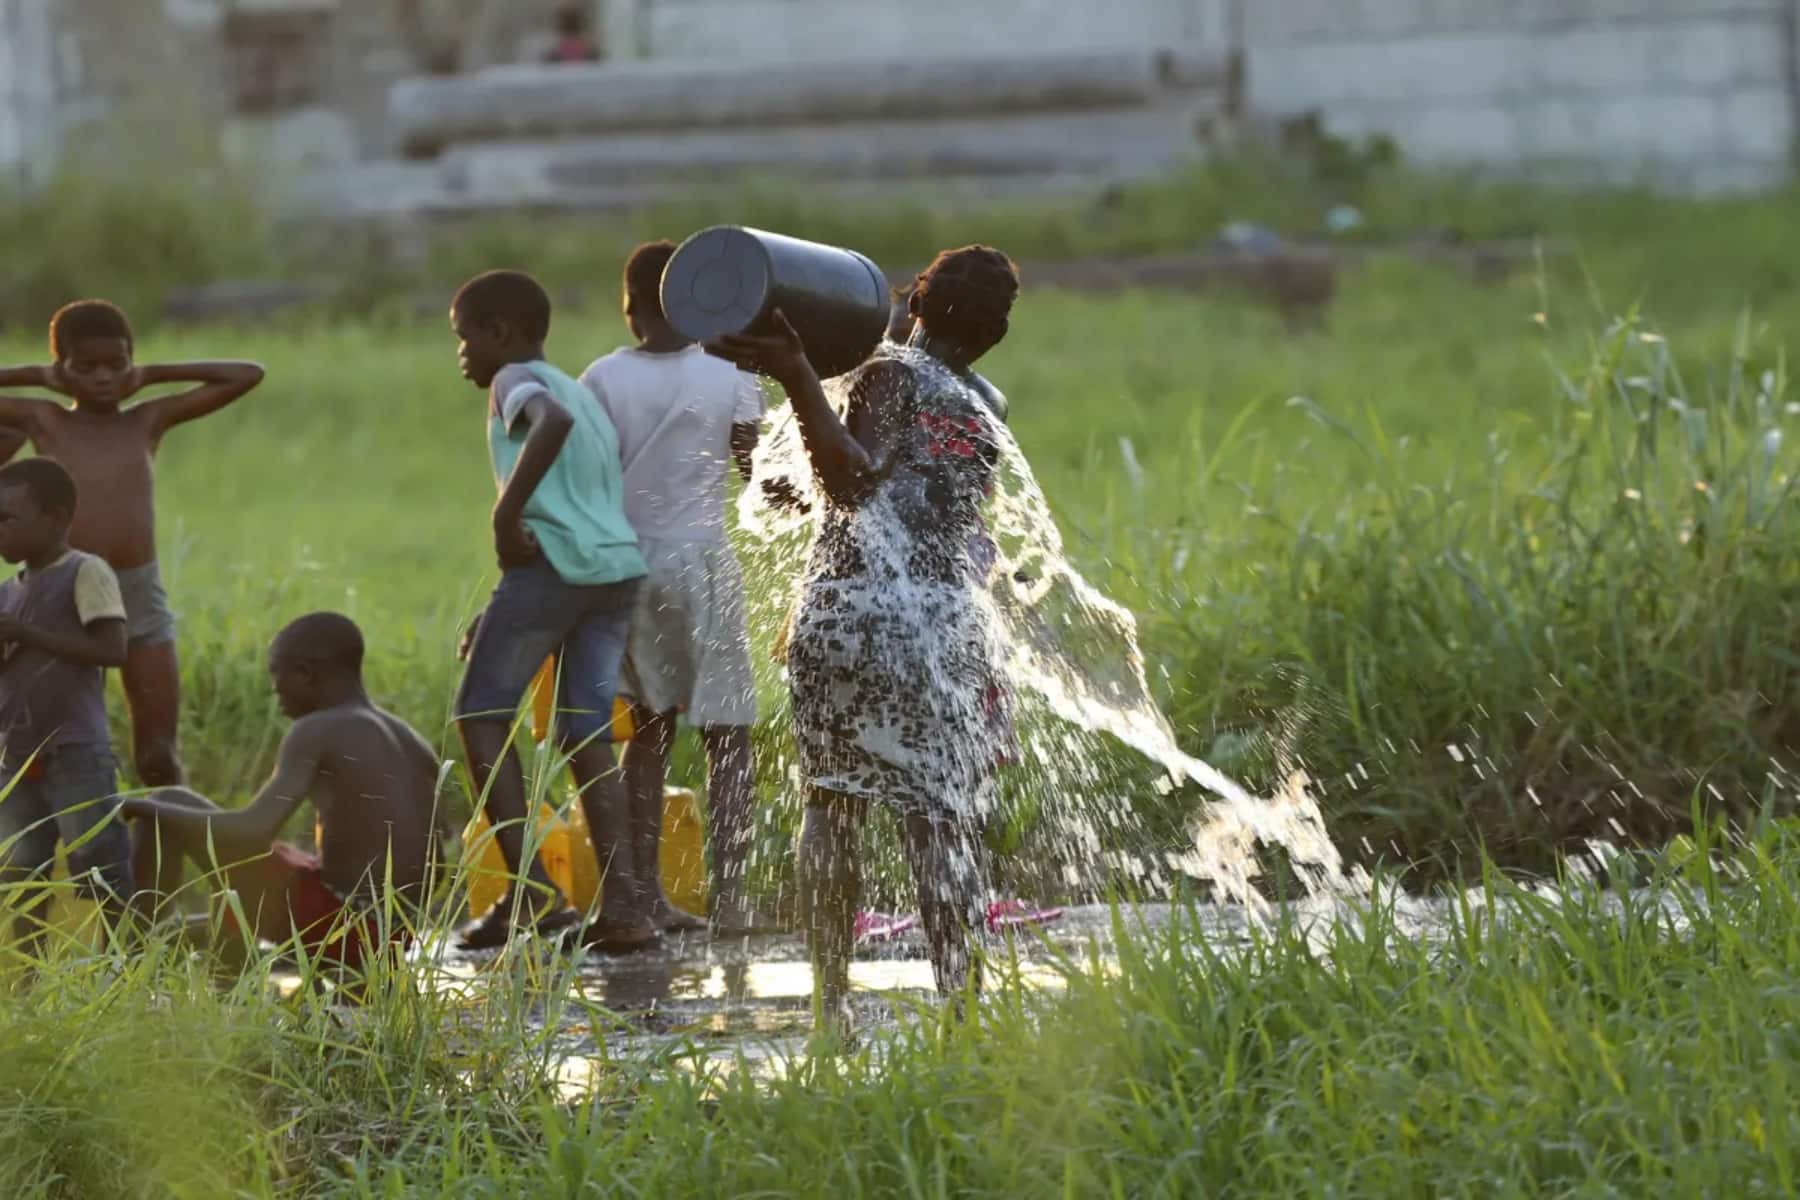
(1407, 535)
(1590, 1043)
(1511, 566)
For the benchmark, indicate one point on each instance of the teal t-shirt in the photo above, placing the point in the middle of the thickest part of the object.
(578, 510)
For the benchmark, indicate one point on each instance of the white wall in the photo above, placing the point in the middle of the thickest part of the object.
(27, 89)
(1696, 93)
(803, 30)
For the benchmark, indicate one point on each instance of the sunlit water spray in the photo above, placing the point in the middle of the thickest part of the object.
(1076, 687)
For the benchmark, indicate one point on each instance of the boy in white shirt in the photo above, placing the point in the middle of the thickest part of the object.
(683, 417)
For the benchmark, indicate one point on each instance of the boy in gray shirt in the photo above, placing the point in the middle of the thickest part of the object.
(62, 624)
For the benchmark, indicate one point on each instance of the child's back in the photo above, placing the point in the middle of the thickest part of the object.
(375, 795)
(675, 414)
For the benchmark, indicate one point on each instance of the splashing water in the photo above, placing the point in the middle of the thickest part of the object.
(1077, 690)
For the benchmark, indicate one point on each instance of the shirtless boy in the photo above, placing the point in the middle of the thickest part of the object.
(373, 784)
(108, 449)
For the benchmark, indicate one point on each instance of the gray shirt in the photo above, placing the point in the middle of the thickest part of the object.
(46, 701)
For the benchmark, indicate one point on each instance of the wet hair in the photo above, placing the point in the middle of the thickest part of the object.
(966, 292)
(644, 272)
(51, 486)
(325, 639)
(510, 296)
(86, 319)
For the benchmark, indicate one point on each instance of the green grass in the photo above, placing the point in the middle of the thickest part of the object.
(1398, 534)
(1449, 549)
(1597, 1043)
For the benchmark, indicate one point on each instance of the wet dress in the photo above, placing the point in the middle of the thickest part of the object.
(895, 654)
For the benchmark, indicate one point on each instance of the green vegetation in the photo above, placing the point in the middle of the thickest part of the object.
(1505, 569)
(1596, 1043)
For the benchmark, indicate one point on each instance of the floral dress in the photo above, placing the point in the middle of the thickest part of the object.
(894, 656)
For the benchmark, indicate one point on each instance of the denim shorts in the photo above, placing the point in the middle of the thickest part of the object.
(533, 615)
(69, 793)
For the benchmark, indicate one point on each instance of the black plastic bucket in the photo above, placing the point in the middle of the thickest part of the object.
(728, 279)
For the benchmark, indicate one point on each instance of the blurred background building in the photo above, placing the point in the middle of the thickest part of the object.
(1695, 94)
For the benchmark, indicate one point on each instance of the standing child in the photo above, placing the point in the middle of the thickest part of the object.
(109, 449)
(372, 780)
(569, 576)
(62, 623)
(683, 416)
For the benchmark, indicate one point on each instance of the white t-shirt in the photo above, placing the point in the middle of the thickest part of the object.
(674, 414)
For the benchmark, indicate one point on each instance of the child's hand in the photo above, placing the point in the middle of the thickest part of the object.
(780, 354)
(56, 380)
(468, 639)
(514, 544)
(136, 808)
(13, 630)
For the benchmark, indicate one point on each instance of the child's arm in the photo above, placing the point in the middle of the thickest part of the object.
(100, 644)
(11, 442)
(845, 467)
(20, 416)
(240, 834)
(550, 424)
(220, 384)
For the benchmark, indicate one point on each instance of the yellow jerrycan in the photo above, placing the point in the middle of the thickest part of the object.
(564, 845)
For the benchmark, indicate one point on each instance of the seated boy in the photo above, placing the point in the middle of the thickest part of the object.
(62, 624)
(372, 781)
(683, 417)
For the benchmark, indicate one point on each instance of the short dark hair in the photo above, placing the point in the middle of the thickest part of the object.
(510, 296)
(86, 319)
(644, 271)
(327, 638)
(968, 289)
(51, 486)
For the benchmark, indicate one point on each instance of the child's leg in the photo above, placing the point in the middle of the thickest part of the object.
(591, 657)
(646, 769)
(152, 679)
(947, 863)
(27, 852)
(529, 617)
(729, 796)
(80, 785)
(830, 885)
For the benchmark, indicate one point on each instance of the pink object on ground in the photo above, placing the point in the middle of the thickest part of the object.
(874, 927)
(1010, 914)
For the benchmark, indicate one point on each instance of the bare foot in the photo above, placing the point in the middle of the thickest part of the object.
(495, 927)
(615, 938)
(670, 919)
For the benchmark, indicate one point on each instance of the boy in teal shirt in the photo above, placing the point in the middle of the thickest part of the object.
(569, 573)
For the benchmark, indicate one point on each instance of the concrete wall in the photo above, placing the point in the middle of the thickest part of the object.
(1694, 93)
(808, 30)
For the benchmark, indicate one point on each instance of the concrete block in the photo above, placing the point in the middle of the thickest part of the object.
(1725, 51)
(1456, 133)
(1553, 126)
(1756, 123)
(1649, 127)
(1592, 60)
